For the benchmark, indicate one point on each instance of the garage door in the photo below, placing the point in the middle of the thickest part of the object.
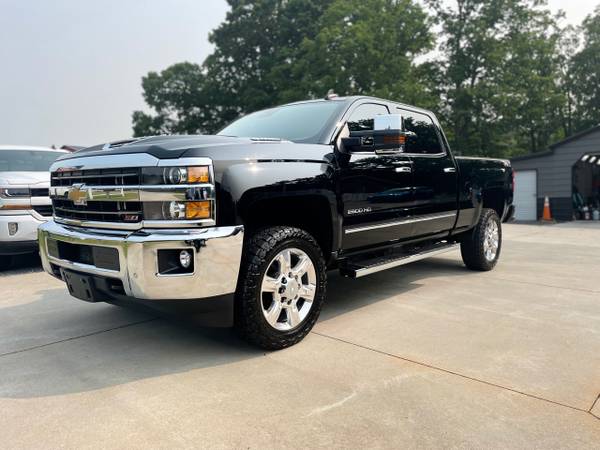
(526, 195)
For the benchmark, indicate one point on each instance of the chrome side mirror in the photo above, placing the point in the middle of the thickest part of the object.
(387, 136)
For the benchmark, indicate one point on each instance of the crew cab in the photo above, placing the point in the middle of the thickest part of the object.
(24, 201)
(244, 225)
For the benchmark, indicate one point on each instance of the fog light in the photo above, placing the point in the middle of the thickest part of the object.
(13, 227)
(185, 259)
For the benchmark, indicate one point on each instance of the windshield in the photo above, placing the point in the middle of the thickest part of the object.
(27, 160)
(302, 122)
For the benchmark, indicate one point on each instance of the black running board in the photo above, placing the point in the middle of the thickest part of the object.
(359, 269)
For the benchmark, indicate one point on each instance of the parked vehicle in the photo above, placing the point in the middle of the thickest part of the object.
(250, 220)
(24, 201)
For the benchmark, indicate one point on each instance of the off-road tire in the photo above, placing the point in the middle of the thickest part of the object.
(259, 249)
(472, 244)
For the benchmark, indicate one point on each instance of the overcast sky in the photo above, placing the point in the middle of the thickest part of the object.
(70, 70)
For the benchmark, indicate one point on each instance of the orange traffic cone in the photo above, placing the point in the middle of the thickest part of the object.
(547, 216)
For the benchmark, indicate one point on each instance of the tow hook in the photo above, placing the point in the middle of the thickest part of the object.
(197, 244)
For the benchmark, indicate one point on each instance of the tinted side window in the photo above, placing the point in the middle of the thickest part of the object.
(362, 118)
(426, 139)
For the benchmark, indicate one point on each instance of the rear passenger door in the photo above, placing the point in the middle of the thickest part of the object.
(435, 177)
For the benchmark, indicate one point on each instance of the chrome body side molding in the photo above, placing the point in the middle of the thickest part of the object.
(400, 222)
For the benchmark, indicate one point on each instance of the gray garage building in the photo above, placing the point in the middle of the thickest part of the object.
(568, 173)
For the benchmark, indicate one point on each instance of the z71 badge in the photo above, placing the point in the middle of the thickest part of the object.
(359, 211)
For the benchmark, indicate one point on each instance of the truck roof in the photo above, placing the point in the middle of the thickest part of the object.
(352, 98)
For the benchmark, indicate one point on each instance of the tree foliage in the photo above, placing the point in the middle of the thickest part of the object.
(178, 97)
(585, 74)
(503, 76)
(365, 48)
(498, 75)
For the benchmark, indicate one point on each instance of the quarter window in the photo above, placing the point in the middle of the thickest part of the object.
(425, 139)
(363, 117)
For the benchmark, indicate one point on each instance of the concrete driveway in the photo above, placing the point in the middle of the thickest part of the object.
(428, 355)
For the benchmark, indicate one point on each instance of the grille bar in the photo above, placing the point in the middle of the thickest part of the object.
(121, 212)
(43, 210)
(118, 177)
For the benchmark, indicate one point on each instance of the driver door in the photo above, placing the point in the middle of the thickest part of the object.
(376, 190)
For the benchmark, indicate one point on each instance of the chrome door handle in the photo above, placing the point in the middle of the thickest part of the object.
(449, 169)
(404, 169)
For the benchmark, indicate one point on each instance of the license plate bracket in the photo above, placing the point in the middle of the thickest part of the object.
(80, 286)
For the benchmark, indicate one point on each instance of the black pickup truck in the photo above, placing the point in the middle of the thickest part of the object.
(244, 225)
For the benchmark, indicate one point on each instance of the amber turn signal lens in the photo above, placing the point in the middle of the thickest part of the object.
(197, 210)
(14, 207)
(198, 174)
(399, 139)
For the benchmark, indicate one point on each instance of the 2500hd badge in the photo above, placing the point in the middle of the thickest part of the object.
(244, 225)
(359, 211)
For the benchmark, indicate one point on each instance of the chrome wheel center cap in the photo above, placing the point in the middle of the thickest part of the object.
(292, 288)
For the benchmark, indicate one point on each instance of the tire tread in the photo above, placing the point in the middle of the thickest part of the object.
(249, 319)
(471, 246)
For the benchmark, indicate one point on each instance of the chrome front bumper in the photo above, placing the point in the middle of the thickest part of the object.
(217, 255)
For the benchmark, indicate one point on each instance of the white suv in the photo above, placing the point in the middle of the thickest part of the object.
(24, 201)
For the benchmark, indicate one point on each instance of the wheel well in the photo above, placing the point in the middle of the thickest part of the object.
(494, 199)
(310, 213)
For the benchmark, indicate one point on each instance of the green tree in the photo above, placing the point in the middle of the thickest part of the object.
(255, 50)
(498, 75)
(585, 74)
(529, 98)
(178, 100)
(366, 47)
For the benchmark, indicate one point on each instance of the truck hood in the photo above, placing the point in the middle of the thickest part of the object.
(218, 148)
(24, 178)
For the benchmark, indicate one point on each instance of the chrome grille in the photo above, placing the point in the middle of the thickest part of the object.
(43, 210)
(97, 177)
(120, 212)
(39, 192)
(122, 192)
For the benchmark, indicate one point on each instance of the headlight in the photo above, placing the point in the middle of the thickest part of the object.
(173, 210)
(15, 192)
(193, 210)
(175, 175)
(189, 192)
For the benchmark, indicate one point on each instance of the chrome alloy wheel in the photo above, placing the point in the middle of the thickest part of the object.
(491, 240)
(288, 289)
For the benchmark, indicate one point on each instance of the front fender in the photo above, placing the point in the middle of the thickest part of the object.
(245, 185)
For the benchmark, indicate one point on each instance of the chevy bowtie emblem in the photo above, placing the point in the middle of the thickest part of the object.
(77, 194)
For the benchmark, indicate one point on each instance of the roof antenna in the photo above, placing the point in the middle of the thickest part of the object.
(331, 95)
